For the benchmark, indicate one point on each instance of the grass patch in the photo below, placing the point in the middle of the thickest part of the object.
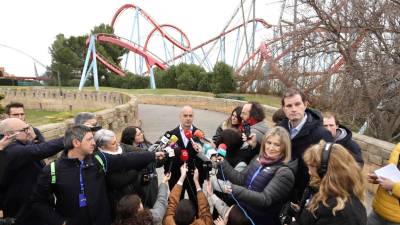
(40, 117)
(263, 99)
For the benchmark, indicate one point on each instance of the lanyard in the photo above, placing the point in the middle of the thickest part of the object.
(81, 185)
(254, 175)
(82, 196)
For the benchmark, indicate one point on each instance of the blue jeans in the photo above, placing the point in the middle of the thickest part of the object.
(375, 219)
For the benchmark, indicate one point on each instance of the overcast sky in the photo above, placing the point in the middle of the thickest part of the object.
(31, 26)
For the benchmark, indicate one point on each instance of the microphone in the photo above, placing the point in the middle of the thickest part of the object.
(163, 141)
(200, 135)
(188, 134)
(184, 155)
(221, 150)
(173, 140)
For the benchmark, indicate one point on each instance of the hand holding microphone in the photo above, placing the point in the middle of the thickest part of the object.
(184, 170)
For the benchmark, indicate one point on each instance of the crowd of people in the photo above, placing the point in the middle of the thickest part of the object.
(304, 170)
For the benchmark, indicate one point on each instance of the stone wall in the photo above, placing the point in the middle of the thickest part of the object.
(375, 152)
(66, 100)
(119, 110)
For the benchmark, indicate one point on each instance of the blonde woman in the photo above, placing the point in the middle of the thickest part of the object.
(264, 185)
(339, 199)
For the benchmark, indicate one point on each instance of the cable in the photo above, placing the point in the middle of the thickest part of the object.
(237, 202)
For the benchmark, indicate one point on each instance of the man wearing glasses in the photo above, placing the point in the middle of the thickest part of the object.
(23, 163)
(16, 110)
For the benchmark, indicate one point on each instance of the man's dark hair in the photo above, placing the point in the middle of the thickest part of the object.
(82, 117)
(185, 212)
(127, 212)
(237, 217)
(233, 140)
(257, 111)
(332, 115)
(13, 105)
(74, 132)
(292, 92)
(278, 116)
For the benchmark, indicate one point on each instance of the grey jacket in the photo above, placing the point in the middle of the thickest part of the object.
(259, 129)
(159, 208)
(278, 188)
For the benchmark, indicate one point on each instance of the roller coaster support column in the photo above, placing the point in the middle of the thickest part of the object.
(93, 66)
(152, 80)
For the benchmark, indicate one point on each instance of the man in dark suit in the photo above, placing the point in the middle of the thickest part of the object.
(305, 128)
(186, 123)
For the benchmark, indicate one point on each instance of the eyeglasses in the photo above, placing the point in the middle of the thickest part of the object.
(25, 129)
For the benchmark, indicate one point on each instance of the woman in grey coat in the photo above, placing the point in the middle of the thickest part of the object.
(266, 183)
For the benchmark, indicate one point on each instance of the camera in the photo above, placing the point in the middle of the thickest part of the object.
(287, 213)
(246, 129)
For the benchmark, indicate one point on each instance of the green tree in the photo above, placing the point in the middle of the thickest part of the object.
(68, 55)
(205, 82)
(188, 76)
(222, 79)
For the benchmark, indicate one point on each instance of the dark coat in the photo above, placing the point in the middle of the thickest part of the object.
(263, 198)
(351, 145)
(311, 133)
(67, 188)
(22, 167)
(194, 161)
(354, 213)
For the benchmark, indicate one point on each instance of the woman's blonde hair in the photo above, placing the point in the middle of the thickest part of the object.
(286, 146)
(342, 178)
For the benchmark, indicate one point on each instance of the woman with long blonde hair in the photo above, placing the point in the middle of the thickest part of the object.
(266, 183)
(341, 187)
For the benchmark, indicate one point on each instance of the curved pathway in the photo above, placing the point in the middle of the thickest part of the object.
(157, 119)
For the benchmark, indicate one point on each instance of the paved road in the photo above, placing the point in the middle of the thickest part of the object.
(156, 119)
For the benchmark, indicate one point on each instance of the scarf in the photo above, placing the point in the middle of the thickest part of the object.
(251, 121)
(266, 160)
(119, 151)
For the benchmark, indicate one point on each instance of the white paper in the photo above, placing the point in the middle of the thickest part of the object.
(389, 171)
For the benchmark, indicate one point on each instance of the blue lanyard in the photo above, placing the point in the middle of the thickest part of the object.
(82, 188)
(81, 196)
(254, 176)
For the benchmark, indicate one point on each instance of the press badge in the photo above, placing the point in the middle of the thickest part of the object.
(82, 200)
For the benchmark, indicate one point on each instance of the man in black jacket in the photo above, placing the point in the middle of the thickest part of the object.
(22, 167)
(343, 136)
(77, 180)
(186, 123)
(16, 110)
(305, 128)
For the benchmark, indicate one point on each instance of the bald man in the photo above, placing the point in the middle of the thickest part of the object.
(22, 167)
(186, 116)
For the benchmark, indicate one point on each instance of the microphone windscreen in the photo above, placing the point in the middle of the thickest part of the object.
(173, 139)
(222, 150)
(199, 134)
(222, 145)
(184, 155)
(188, 134)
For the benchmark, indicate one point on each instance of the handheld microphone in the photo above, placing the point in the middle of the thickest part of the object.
(221, 150)
(200, 135)
(184, 155)
(188, 134)
(163, 141)
(165, 138)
